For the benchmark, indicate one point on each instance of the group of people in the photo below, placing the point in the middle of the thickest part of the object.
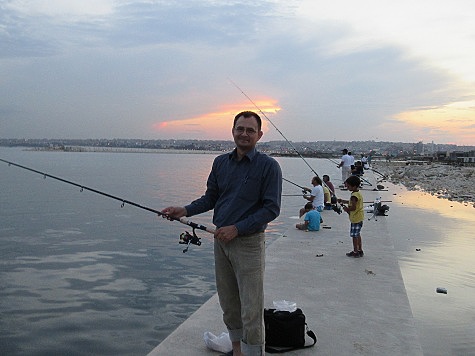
(322, 197)
(351, 167)
(317, 203)
(244, 188)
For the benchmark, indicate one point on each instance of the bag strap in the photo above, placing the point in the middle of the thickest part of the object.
(278, 350)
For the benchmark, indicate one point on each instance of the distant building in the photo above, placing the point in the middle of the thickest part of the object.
(419, 148)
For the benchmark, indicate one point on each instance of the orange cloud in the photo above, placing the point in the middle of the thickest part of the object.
(214, 125)
(453, 123)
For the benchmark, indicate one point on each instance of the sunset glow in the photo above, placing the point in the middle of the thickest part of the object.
(215, 125)
(455, 120)
(389, 71)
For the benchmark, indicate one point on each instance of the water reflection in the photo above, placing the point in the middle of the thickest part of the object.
(434, 239)
(80, 275)
(446, 208)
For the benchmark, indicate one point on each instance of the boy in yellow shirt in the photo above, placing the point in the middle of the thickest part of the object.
(355, 211)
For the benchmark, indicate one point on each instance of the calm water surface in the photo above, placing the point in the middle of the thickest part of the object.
(81, 275)
(435, 244)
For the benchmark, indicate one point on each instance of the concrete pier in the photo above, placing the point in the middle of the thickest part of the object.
(354, 305)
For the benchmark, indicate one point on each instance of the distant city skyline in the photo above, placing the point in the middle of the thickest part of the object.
(343, 70)
(279, 146)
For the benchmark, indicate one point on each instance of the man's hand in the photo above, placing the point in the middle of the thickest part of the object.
(226, 233)
(174, 212)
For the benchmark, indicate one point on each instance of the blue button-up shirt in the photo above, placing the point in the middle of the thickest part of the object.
(245, 193)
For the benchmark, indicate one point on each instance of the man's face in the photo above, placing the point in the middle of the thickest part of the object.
(246, 133)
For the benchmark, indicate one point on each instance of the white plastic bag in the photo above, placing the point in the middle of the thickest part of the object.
(284, 305)
(221, 343)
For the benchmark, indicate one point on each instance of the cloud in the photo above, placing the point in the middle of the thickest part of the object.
(120, 68)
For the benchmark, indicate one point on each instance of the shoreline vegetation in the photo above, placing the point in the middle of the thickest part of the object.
(451, 182)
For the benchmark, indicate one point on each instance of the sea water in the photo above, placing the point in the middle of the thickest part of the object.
(81, 274)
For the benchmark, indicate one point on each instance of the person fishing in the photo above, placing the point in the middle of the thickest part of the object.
(316, 196)
(345, 165)
(244, 188)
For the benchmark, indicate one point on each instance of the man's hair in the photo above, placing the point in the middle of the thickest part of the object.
(309, 206)
(326, 176)
(318, 180)
(354, 181)
(248, 114)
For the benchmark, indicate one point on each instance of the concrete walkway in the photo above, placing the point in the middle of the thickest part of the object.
(354, 305)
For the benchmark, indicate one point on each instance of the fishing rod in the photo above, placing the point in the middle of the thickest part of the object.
(185, 238)
(335, 208)
(330, 159)
(384, 176)
(263, 114)
(304, 189)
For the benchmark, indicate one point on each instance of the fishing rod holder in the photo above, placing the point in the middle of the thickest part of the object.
(186, 238)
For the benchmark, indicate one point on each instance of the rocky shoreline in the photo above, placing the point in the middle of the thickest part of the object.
(455, 183)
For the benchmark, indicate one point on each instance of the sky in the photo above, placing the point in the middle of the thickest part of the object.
(316, 70)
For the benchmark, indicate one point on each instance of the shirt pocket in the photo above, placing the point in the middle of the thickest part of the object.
(250, 188)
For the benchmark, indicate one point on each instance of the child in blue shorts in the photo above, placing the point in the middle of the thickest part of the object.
(355, 211)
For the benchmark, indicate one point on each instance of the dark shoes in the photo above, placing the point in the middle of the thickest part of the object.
(355, 254)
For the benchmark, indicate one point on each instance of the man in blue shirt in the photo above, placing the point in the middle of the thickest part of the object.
(244, 188)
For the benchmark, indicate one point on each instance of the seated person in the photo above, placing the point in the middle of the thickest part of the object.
(326, 180)
(316, 195)
(357, 169)
(311, 219)
(329, 185)
(327, 199)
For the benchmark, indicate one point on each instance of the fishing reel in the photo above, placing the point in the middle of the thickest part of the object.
(186, 238)
(337, 209)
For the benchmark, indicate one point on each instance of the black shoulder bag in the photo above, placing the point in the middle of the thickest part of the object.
(285, 331)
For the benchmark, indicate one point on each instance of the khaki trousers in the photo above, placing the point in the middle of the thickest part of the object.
(239, 267)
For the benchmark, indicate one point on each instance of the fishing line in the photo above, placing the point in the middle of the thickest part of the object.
(185, 238)
(334, 207)
(333, 161)
(280, 132)
(263, 114)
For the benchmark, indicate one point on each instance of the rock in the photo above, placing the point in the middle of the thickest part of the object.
(442, 180)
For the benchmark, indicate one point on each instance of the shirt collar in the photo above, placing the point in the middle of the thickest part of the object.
(250, 155)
